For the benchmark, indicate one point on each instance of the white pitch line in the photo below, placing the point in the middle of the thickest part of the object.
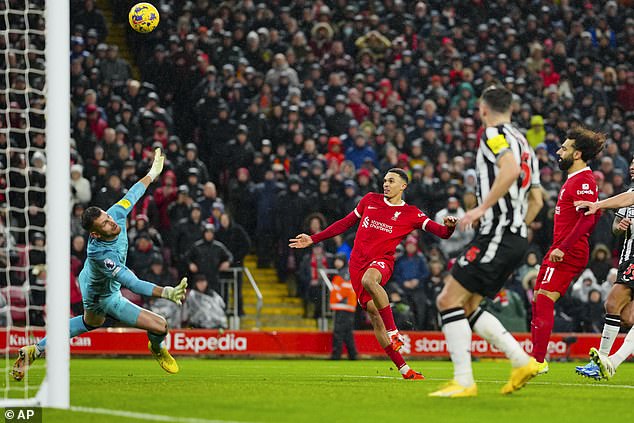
(590, 384)
(145, 416)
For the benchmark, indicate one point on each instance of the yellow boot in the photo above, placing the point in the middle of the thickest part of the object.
(455, 390)
(165, 359)
(520, 376)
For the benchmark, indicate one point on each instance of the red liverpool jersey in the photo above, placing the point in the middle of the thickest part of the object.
(382, 227)
(579, 186)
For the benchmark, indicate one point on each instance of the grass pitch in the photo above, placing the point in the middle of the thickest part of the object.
(224, 390)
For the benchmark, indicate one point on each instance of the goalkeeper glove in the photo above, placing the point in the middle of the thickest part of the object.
(176, 293)
(157, 165)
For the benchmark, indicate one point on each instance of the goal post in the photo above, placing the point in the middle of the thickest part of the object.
(57, 382)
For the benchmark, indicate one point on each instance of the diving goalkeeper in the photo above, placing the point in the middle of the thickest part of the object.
(103, 274)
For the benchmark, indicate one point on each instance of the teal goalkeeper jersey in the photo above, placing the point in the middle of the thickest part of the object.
(105, 268)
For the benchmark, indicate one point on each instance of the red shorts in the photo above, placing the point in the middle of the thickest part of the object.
(356, 274)
(556, 277)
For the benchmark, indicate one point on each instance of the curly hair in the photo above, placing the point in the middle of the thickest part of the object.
(588, 142)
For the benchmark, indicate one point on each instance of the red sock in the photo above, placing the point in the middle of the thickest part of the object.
(542, 323)
(533, 312)
(388, 318)
(396, 357)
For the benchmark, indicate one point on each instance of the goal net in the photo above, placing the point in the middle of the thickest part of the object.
(35, 197)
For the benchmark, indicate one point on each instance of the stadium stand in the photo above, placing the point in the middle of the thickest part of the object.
(283, 113)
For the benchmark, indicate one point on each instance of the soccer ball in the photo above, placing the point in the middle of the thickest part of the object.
(143, 17)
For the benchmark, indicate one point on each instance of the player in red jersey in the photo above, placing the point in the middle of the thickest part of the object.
(385, 220)
(569, 253)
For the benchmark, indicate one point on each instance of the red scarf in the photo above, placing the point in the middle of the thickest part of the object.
(314, 266)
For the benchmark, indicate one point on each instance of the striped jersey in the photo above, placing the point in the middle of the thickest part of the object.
(627, 253)
(510, 210)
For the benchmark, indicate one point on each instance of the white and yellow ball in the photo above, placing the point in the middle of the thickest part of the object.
(143, 17)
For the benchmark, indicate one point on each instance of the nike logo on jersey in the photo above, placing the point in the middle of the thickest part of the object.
(371, 208)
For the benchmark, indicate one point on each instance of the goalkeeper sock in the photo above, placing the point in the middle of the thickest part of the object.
(156, 340)
(487, 326)
(626, 349)
(388, 319)
(542, 323)
(457, 333)
(611, 329)
(77, 327)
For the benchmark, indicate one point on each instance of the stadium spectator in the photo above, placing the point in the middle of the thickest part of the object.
(584, 284)
(89, 17)
(237, 241)
(600, 262)
(158, 274)
(401, 69)
(209, 257)
(510, 310)
(460, 238)
(343, 303)
(309, 279)
(410, 274)
(593, 312)
(142, 252)
(204, 307)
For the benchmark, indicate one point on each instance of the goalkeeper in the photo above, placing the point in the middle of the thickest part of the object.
(103, 274)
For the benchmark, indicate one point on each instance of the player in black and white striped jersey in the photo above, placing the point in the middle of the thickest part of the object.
(509, 199)
(509, 211)
(618, 305)
(625, 220)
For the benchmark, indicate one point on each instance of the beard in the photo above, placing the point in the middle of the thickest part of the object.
(564, 164)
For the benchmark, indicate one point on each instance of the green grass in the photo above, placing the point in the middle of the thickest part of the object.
(327, 391)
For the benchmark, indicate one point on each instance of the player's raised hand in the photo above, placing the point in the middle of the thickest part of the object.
(470, 218)
(177, 293)
(591, 206)
(157, 164)
(300, 241)
(450, 221)
(624, 224)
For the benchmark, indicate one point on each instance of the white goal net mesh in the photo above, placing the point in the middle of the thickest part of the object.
(22, 187)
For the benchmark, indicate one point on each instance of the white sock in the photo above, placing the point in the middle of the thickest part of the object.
(489, 327)
(458, 337)
(404, 369)
(626, 349)
(610, 331)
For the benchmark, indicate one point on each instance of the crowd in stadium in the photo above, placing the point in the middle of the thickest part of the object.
(276, 117)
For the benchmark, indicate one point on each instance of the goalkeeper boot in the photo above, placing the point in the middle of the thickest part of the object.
(520, 376)
(26, 356)
(603, 362)
(453, 389)
(165, 359)
(590, 370)
(543, 368)
(413, 375)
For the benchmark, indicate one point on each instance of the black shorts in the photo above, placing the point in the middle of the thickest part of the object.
(488, 261)
(625, 275)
